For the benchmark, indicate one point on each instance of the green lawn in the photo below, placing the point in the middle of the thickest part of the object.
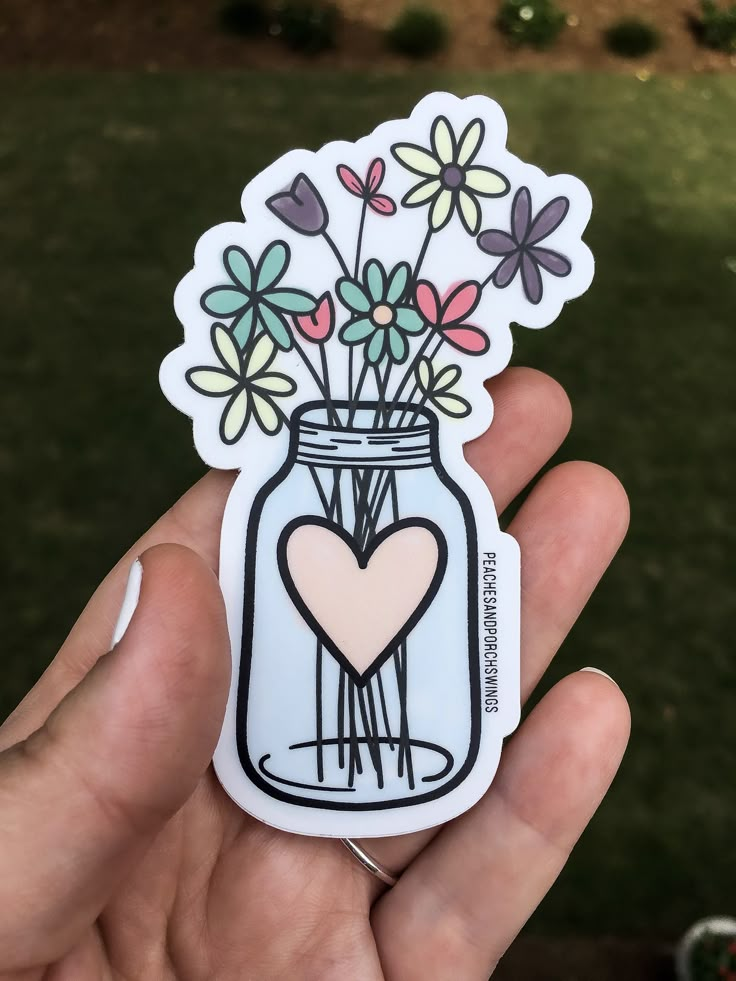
(106, 183)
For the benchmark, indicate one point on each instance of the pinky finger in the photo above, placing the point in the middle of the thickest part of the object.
(459, 905)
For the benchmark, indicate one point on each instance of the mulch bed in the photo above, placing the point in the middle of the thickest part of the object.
(184, 34)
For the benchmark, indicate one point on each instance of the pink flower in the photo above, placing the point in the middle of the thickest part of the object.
(368, 189)
(318, 326)
(447, 315)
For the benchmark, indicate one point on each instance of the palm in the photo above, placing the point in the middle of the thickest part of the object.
(123, 857)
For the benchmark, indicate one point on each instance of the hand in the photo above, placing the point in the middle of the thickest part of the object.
(121, 856)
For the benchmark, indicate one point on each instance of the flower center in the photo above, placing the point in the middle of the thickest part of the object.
(452, 176)
(382, 315)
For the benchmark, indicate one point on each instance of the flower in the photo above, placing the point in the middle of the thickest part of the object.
(300, 207)
(318, 326)
(251, 387)
(435, 388)
(252, 296)
(379, 318)
(368, 189)
(521, 248)
(447, 315)
(450, 180)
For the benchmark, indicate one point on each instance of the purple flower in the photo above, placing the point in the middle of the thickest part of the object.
(520, 248)
(300, 207)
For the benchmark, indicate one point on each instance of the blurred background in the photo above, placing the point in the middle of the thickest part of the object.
(127, 127)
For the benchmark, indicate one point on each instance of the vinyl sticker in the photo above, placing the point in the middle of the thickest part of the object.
(336, 345)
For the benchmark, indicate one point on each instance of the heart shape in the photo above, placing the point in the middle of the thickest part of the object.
(361, 603)
(300, 206)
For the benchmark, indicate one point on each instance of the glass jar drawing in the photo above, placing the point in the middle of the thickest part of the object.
(315, 725)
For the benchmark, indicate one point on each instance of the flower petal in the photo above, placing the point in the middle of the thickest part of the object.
(460, 303)
(262, 354)
(374, 279)
(350, 180)
(409, 320)
(382, 204)
(467, 338)
(292, 301)
(397, 282)
(274, 383)
(353, 295)
(235, 418)
(485, 181)
(397, 345)
(424, 375)
(225, 348)
(318, 326)
(443, 140)
(211, 381)
(452, 405)
(428, 301)
(531, 279)
(549, 218)
(374, 177)
(495, 242)
(266, 414)
(243, 326)
(506, 270)
(416, 159)
(374, 352)
(521, 212)
(470, 141)
(441, 210)
(238, 264)
(421, 193)
(469, 212)
(275, 325)
(272, 265)
(553, 262)
(356, 331)
(224, 301)
(446, 378)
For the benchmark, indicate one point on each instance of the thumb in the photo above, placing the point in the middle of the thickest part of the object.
(82, 798)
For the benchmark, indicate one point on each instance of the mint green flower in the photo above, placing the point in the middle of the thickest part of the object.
(380, 319)
(253, 298)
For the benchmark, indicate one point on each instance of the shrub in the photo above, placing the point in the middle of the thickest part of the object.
(244, 17)
(307, 26)
(632, 38)
(532, 22)
(418, 32)
(717, 26)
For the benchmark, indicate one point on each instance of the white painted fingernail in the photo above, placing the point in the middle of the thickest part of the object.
(130, 601)
(601, 673)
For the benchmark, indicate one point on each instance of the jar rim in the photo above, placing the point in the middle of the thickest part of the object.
(317, 415)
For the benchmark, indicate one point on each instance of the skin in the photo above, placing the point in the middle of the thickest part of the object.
(121, 856)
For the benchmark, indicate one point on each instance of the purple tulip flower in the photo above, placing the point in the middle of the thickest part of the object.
(300, 207)
(520, 248)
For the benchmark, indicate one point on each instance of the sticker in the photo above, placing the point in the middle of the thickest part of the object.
(336, 345)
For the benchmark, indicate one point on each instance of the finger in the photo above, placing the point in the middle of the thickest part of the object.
(194, 521)
(120, 754)
(459, 906)
(569, 529)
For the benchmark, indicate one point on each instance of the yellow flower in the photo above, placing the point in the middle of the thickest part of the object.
(450, 179)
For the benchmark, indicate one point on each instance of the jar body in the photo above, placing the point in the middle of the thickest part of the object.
(310, 732)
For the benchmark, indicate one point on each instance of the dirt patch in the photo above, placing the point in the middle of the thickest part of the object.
(181, 34)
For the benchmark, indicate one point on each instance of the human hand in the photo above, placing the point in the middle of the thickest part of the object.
(122, 857)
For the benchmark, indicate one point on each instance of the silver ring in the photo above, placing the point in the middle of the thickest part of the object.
(369, 863)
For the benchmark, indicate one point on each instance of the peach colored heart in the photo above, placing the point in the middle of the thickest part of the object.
(362, 610)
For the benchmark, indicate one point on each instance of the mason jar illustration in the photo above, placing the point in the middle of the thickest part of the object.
(359, 682)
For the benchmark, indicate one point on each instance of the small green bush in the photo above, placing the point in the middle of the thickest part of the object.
(717, 26)
(632, 38)
(244, 17)
(306, 26)
(418, 32)
(530, 22)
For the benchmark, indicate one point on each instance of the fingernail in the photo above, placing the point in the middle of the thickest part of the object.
(130, 601)
(601, 673)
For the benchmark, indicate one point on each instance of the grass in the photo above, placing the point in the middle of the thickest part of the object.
(106, 183)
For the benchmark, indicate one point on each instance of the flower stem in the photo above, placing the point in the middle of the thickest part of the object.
(328, 238)
(410, 371)
(360, 238)
(322, 383)
(422, 254)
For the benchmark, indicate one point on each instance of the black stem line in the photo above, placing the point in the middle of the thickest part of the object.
(360, 237)
(374, 747)
(320, 490)
(355, 761)
(358, 388)
(440, 342)
(384, 710)
(328, 238)
(318, 693)
(322, 385)
(341, 720)
(326, 376)
(422, 254)
(404, 740)
(374, 724)
(410, 370)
